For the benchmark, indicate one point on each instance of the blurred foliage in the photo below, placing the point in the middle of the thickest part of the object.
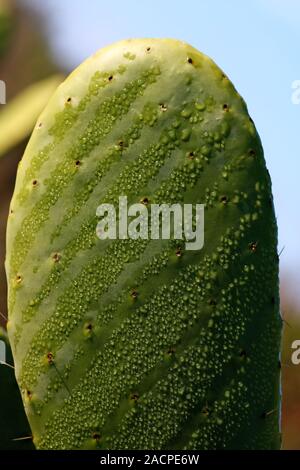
(30, 76)
(6, 25)
(25, 58)
(19, 116)
(14, 428)
(290, 377)
(24, 61)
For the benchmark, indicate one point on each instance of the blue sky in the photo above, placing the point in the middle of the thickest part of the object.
(255, 43)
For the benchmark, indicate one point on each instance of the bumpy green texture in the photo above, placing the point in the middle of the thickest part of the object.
(130, 344)
(15, 433)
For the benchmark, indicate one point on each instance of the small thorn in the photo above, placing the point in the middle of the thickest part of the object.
(265, 414)
(285, 365)
(144, 201)
(56, 257)
(61, 378)
(3, 316)
(134, 397)
(243, 353)
(6, 364)
(171, 351)
(284, 321)
(50, 358)
(271, 412)
(224, 199)
(134, 294)
(190, 154)
(163, 107)
(205, 410)
(282, 249)
(23, 438)
(253, 246)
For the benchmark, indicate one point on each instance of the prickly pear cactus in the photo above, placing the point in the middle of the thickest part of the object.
(130, 344)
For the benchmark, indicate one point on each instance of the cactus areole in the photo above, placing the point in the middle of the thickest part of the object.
(137, 342)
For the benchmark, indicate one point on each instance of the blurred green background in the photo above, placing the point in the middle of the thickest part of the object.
(256, 45)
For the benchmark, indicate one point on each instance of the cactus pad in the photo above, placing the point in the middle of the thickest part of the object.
(141, 344)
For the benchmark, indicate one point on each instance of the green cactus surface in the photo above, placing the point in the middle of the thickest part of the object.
(142, 344)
